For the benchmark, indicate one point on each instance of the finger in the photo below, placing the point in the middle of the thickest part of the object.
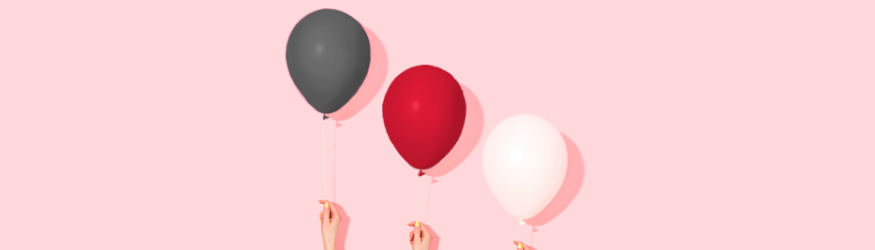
(335, 216)
(412, 234)
(325, 215)
(320, 213)
(417, 231)
(410, 238)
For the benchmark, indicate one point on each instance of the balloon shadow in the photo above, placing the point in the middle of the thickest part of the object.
(435, 239)
(340, 242)
(471, 133)
(532, 239)
(570, 187)
(372, 83)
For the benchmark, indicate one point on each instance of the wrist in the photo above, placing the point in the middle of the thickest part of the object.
(328, 246)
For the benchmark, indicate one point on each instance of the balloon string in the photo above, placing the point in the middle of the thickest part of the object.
(416, 216)
(519, 233)
(324, 174)
(334, 161)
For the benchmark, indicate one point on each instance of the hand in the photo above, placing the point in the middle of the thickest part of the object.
(330, 220)
(420, 237)
(521, 245)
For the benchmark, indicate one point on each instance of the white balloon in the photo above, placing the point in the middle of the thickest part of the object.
(524, 160)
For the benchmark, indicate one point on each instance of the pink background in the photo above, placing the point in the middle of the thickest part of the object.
(692, 125)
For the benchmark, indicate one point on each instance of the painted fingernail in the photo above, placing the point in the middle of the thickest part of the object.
(326, 204)
(417, 224)
(519, 245)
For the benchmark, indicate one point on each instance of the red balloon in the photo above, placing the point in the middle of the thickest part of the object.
(424, 112)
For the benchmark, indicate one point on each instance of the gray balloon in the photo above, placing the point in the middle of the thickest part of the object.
(328, 55)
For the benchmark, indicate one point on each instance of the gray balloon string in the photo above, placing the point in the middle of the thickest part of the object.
(324, 174)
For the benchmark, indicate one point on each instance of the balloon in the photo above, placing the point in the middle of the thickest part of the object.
(524, 161)
(328, 55)
(424, 112)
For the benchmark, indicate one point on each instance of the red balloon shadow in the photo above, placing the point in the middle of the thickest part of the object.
(372, 83)
(570, 187)
(471, 134)
(340, 243)
(435, 239)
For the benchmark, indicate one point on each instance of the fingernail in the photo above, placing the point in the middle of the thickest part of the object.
(519, 245)
(326, 204)
(417, 224)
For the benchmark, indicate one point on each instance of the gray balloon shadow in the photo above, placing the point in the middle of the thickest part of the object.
(569, 189)
(471, 133)
(373, 81)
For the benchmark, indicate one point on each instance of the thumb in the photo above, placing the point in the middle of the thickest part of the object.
(335, 216)
(426, 234)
